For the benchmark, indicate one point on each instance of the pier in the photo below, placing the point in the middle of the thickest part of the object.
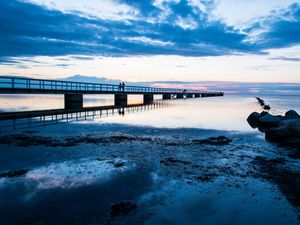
(73, 91)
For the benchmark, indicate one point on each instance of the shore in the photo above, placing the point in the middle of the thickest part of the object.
(118, 174)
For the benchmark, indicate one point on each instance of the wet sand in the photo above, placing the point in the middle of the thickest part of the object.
(118, 174)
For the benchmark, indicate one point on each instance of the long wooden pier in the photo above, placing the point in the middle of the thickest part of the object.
(73, 91)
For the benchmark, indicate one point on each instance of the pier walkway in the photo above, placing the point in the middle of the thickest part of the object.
(73, 91)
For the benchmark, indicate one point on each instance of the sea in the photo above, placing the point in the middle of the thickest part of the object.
(188, 161)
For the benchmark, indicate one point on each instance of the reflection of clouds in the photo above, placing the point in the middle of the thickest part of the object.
(71, 174)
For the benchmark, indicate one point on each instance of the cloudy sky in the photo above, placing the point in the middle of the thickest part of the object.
(144, 40)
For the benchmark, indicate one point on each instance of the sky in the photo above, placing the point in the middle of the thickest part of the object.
(146, 40)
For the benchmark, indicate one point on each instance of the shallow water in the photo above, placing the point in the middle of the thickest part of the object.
(224, 113)
(154, 158)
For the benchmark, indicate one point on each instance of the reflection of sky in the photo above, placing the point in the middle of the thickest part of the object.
(30, 102)
(10, 103)
(229, 112)
(212, 113)
(72, 174)
(209, 203)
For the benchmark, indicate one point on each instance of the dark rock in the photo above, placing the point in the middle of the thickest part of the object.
(263, 113)
(207, 177)
(287, 131)
(263, 104)
(171, 160)
(268, 120)
(278, 129)
(221, 140)
(122, 208)
(295, 155)
(253, 119)
(291, 114)
(16, 173)
(119, 164)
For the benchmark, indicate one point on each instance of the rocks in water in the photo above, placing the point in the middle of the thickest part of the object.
(122, 208)
(16, 173)
(253, 119)
(207, 177)
(221, 140)
(119, 164)
(170, 160)
(268, 120)
(263, 120)
(291, 114)
(280, 129)
(263, 104)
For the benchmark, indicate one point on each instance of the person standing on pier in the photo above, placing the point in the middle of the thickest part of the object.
(123, 86)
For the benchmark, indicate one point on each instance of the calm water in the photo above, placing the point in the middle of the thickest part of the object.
(224, 113)
(172, 179)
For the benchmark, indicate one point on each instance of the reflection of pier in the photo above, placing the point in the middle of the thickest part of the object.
(74, 91)
(54, 116)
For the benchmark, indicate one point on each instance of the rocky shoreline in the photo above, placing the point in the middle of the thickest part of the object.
(283, 130)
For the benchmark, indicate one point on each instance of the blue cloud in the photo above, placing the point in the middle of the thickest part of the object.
(30, 30)
(282, 29)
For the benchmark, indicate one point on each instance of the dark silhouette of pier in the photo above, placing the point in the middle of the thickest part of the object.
(73, 91)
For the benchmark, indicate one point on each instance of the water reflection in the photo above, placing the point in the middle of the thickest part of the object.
(229, 112)
(27, 119)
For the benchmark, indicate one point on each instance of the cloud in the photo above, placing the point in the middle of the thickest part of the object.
(279, 30)
(282, 58)
(104, 9)
(28, 29)
(157, 27)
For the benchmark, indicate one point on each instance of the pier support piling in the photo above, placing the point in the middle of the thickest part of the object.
(167, 96)
(73, 101)
(189, 95)
(121, 99)
(148, 98)
(197, 95)
(179, 96)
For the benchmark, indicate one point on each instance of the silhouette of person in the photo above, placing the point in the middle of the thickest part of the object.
(123, 86)
(120, 86)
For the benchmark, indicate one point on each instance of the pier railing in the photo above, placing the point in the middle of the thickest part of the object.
(59, 85)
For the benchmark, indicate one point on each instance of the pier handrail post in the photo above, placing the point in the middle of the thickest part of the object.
(13, 82)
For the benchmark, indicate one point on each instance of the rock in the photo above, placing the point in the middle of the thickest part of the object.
(122, 208)
(207, 177)
(221, 140)
(284, 130)
(268, 120)
(263, 104)
(291, 114)
(287, 132)
(119, 164)
(253, 119)
(263, 113)
(170, 160)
